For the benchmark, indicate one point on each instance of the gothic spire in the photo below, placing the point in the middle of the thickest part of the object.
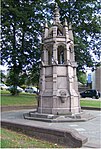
(56, 15)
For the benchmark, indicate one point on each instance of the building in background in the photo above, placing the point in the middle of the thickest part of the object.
(96, 79)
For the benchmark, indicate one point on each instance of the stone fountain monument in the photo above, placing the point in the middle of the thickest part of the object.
(58, 80)
(58, 98)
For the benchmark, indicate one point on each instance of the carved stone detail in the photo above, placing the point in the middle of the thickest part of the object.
(62, 94)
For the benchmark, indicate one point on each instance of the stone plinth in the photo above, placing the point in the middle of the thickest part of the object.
(58, 94)
(81, 117)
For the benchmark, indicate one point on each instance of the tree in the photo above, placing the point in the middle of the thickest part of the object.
(22, 22)
(82, 77)
(85, 20)
(20, 35)
(3, 76)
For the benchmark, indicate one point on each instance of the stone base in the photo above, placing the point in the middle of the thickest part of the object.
(34, 115)
(58, 111)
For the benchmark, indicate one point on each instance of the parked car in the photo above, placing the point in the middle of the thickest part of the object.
(18, 88)
(3, 86)
(31, 89)
(90, 93)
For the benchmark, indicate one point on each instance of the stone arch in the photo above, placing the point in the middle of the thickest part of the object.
(61, 44)
(49, 57)
(49, 54)
(61, 54)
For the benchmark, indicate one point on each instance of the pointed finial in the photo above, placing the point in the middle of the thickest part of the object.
(70, 32)
(56, 5)
(46, 25)
(65, 23)
(70, 26)
(56, 15)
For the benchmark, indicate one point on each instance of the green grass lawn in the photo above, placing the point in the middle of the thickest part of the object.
(90, 103)
(27, 99)
(22, 99)
(11, 139)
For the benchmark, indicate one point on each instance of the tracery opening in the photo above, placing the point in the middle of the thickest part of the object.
(61, 55)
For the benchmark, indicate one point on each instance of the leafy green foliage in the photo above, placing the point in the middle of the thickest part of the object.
(2, 77)
(22, 22)
(82, 77)
(14, 91)
(20, 31)
(85, 19)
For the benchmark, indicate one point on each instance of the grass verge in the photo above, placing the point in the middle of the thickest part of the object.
(12, 139)
(23, 99)
(90, 103)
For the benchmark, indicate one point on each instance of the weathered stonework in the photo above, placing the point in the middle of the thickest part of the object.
(58, 80)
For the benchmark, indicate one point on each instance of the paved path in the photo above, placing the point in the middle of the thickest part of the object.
(90, 128)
